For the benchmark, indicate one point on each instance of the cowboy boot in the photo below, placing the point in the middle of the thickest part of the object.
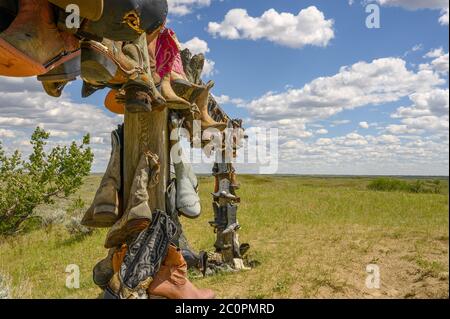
(202, 102)
(185, 89)
(171, 281)
(138, 213)
(115, 63)
(188, 202)
(104, 270)
(173, 100)
(32, 44)
(8, 12)
(54, 89)
(67, 71)
(232, 223)
(104, 210)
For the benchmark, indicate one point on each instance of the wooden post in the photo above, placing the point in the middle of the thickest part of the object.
(142, 132)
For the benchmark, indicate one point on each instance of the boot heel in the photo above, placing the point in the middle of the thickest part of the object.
(96, 66)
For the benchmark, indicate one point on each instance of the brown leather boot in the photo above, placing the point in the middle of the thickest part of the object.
(115, 63)
(171, 281)
(32, 44)
(202, 103)
(138, 214)
(173, 100)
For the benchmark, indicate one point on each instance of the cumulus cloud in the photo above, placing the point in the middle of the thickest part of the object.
(24, 105)
(196, 46)
(308, 27)
(429, 112)
(364, 125)
(363, 83)
(225, 99)
(441, 5)
(439, 63)
(184, 7)
(199, 46)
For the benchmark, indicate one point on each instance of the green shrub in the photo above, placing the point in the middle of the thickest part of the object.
(25, 184)
(397, 185)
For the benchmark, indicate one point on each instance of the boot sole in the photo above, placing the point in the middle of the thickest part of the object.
(65, 72)
(15, 63)
(112, 104)
(96, 66)
(119, 236)
(106, 214)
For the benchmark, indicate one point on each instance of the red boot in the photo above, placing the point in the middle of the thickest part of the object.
(32, 44)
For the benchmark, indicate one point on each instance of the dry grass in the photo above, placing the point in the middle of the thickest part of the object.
(313, 238)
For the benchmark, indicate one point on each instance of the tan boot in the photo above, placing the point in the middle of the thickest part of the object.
(171, 281)
(138, 214)
(104, 211)
(115, 63)
(202, 103)
(32, 44)
(173, 100)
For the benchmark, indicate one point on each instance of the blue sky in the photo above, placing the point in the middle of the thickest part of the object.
(286, 70)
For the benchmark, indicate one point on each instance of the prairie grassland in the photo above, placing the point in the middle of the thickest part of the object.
(313, 238)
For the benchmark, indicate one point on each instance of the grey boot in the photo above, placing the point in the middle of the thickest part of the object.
(232, 223)
(188, 202)
(104, 210)
(138, 213)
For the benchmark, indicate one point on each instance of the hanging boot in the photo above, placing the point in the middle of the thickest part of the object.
(104, 270)
(232, 223)
(171, 281)
(104, 210)
(173, 100)
(202, 103)
(188, 202)
(54, 89)
(88, 89)
(116, 64)
(32, 44)
(115, 102)
(138, 213)
(67, 71)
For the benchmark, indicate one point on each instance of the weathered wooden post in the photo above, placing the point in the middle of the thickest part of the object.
(142, 132)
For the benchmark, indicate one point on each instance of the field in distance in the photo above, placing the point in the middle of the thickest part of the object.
(312, 237)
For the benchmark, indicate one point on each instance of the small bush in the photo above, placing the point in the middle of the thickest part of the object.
(397, 185)
(75, 228)
(45, 176)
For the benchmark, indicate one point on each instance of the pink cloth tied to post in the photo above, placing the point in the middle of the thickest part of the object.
(168, 57)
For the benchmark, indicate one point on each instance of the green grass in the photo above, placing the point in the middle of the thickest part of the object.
(313, 238)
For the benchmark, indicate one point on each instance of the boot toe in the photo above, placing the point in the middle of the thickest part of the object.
(191, 211)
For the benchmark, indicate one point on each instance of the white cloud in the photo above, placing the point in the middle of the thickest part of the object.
(429, 112)
(225, 99)
(441, 5)
(443, 20)
(322, 131)
(209, 68)
(364, 125)
(439, 64)
(184, 7)
(309, 27)
(199, 46)
(196, 46)
(380, 81)
(24, 106)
